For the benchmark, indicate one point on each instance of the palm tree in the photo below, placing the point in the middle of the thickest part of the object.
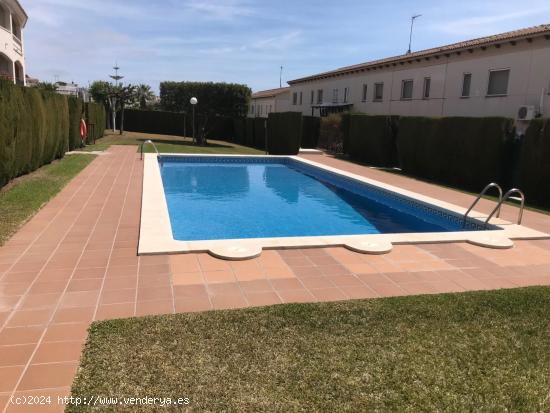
(144, 94)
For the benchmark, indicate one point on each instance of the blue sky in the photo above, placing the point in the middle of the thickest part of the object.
(246, 41)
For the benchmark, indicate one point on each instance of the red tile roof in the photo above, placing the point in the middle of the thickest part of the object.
(270, 93)
(543, 29)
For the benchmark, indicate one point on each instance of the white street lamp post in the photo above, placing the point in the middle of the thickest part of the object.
(194, 102)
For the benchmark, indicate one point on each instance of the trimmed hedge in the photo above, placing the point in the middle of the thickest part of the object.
(239, 130)
(76, 110)
(34, 129)
(284, 132)
(249, 136)
(311, 126)
(259, 133)
(95, 114)
(372, 139)
(464, 152)
(534, 163)
(150, 121)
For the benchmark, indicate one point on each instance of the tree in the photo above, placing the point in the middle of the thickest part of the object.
(100, 91)
(144, 95)
(123, 96)
(215, 99)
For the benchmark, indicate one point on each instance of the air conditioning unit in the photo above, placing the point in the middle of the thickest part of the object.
(526, 112)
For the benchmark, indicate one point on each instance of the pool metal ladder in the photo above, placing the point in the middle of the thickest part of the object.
(501, 200)
(149, 141)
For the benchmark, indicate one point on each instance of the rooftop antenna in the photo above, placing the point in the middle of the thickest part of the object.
(413, 18)
(281, 78)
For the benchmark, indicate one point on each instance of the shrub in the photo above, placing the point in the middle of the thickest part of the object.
(249, 141)
(221, 99)
(220, 127)
(310, 131)
(97, 118)
(372, 139)
(34, 129)
(259, 133)
(75, 114)
(284, 132)
(331, 132)
(534, 163)
(149, 121)
(463, 152)
(239, 130)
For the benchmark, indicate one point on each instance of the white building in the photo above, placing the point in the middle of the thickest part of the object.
(489, 76)
(267, 101)
(12, 59)
(72, 89)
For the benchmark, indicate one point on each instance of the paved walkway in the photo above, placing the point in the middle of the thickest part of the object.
(76, 262)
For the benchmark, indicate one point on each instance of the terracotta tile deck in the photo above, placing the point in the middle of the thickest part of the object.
(76, 262)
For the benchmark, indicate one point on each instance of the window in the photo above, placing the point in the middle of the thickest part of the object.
(270, 108)
(300, 98)
(407, 89)
(320, 96)
(295, 98)
(346, 94)
(426, 88)
(334, 95)
(364, 93)
(378, 92)
(261, 109)
(252, 109)
(466, 82)
(312, 98)
(498, 82)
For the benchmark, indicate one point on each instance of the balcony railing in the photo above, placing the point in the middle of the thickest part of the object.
(17, 40)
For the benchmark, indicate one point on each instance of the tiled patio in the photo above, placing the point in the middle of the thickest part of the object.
(76, 262)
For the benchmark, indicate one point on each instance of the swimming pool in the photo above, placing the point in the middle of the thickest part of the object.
(233, 206)
(258, 197)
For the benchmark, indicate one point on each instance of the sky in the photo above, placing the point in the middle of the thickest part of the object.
(246, 41)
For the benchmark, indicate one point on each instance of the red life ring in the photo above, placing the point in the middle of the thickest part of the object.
(83, 130)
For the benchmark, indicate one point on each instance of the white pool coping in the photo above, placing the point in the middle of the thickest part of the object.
(156, 232)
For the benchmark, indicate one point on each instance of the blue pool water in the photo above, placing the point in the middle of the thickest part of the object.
(228, 198)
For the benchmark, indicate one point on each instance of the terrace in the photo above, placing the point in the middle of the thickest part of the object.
(75, 262)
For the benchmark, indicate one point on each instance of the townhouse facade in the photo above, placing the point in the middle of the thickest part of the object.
(266, 101)
(502, 75)
(12, 58)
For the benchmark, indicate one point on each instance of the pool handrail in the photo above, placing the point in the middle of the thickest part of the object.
(483, 192)
(506, 196)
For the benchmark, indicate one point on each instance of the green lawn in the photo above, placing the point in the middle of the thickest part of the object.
(167, 143)
(483, 351)
(22, 198)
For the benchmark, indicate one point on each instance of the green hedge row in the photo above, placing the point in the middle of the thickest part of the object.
(311, 126)
(76, 108)
(463, 152)
(157, 122)
(371, 139)
(34, 129)
(534, 163)
(96, 116)
(284, 133)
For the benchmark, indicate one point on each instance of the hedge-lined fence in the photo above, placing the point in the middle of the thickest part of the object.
(36, 127)
(533, 172)
(464, 152)
(96, 116)
(371, 139)
(284, 133)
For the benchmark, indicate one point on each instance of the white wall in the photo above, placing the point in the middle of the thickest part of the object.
(9, 46)
(529, 65)
(261, 107)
